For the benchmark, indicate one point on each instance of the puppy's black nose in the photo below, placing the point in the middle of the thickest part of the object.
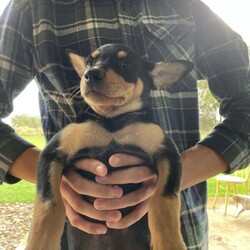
(94, 75)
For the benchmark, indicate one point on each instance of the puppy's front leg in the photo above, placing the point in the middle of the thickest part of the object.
(164, 214)
(49, 213)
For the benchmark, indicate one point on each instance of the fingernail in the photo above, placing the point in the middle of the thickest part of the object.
(114, 217)
(115, 161)
(100, 204)
(99, 169)
(117, 191)
(101, 231)
(100, 179)
(110, 224)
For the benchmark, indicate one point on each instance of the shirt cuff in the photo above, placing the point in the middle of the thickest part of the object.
(229, 146)
(13, 147)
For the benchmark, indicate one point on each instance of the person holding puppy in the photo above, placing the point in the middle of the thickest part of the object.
(33, 38)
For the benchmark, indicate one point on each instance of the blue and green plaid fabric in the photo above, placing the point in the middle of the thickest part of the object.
(35, 33)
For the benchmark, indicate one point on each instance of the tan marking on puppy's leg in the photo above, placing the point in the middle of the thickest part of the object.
(48, 217)
(164, 216)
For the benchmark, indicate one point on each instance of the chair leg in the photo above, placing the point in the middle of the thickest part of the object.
(216, 193)
(226, 198)
(235, 192)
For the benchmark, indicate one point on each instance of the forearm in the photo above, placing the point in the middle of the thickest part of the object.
(16, 156)
(200, 163)
(24, 167)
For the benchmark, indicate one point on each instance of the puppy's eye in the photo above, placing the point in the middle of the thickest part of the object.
(90, 61)
(125, 64)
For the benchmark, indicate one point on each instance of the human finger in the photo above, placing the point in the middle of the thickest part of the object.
(92, 166)
(121, 160)
(129, 175)
(79, 205)
(84, 186)
(134, 198)
(79, 222)
(131, 218)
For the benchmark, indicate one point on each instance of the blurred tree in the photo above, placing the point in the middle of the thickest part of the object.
(26, 125)
(25, 120)
(209, 107)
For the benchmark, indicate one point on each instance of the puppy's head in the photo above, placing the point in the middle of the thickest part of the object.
(115, 80)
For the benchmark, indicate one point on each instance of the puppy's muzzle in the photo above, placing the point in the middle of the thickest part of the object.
(94, 75)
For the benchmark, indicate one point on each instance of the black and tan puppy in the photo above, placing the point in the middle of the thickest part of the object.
(115, 83)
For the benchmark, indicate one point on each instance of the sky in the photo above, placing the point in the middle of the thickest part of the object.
(236, 13)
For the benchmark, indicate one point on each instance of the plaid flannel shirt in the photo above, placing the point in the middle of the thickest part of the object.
(35, 33)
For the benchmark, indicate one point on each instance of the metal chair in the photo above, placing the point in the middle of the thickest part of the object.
(225, 182)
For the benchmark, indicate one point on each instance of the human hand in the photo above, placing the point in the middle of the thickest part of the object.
(137, 173)
(109, 196)
(73, 186)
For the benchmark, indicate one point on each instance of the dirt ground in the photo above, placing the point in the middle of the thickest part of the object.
(225, 231)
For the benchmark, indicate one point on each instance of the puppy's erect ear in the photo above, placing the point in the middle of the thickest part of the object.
(166, 73)
(77, 61)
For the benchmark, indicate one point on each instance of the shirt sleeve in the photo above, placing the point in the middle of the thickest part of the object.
(222, 58)
(16, 71)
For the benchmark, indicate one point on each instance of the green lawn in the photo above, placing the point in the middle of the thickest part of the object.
(37, 140)
(22, 191)
(212, 188)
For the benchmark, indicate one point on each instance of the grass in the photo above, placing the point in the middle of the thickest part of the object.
(37, 140)
(24, 191)
(212, 188)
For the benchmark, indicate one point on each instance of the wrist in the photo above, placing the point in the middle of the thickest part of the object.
(200, 163)
(24, 167)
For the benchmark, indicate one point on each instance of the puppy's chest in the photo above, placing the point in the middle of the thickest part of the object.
(147, 137)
